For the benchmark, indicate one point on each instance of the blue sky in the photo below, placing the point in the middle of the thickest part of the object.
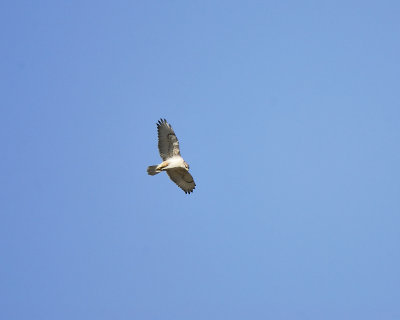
(289, 116)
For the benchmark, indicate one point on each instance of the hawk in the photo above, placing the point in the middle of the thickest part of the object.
(176, 168)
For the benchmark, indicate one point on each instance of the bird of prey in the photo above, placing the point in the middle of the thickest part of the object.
(176, 168)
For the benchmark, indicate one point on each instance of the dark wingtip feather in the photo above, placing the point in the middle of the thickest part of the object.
(161, 122)
(189, 191)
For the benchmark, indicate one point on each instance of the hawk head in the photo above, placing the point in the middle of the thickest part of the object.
(186, 165)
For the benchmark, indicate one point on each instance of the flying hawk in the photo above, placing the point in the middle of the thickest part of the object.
(176, 168)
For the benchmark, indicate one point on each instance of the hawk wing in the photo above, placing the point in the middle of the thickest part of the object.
(168, 144)
(182, 178)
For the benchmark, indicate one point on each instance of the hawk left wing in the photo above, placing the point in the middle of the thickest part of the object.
(182, 178)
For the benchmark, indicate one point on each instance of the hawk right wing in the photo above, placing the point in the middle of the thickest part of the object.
(168, 144)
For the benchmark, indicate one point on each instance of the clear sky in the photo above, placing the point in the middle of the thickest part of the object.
(288, 113)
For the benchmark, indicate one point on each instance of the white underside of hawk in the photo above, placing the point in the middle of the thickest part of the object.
(176, 168)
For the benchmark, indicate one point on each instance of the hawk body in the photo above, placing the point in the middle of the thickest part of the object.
(176, 168)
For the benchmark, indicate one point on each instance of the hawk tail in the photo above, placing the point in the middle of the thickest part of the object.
(152, 170)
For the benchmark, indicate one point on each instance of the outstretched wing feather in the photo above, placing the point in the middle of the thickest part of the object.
(168, 144)
(182, 178)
